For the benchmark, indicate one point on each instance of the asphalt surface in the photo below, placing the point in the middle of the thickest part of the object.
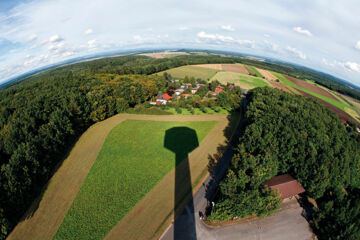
(288, 223)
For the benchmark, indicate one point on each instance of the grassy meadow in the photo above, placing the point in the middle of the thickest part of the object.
(130, 163)
(191, 71)
(242, 80)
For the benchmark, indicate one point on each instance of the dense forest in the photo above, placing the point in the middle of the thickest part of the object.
(292, 134)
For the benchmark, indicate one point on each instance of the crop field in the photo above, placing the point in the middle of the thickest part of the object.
(131, 162)
(191, 71)
(266, 74)
(238, 68)
(253, 71)
(244, 81)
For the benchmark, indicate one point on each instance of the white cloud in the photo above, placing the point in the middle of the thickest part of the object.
(183, 28)
(92, 43)
(32, 37)
(55, 38)
(357, 45)
(88, 31)
(218, 37)
(352, 66)
(228, 28)
(296, 52)
(271, 46)
(302, 31)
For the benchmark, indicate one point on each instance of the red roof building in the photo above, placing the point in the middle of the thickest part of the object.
(166, 96)
(218, 90)
(343, 121)
(287, 185)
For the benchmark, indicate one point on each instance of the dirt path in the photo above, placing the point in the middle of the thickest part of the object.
(66, 182)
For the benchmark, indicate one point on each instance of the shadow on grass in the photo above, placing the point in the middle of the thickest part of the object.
(182, 141)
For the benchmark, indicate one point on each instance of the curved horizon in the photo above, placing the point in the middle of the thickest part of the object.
(37, 34)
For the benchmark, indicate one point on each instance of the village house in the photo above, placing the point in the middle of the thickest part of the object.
(194, 90)
(162, 100)
(218, 90)
(179, 91)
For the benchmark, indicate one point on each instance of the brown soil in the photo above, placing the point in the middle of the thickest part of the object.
(279, 86)
(266, 74)
(337, 111)
(212, 66)
(235, 68)
(311, 87)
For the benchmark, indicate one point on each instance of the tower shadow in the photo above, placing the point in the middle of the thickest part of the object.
(181, 141)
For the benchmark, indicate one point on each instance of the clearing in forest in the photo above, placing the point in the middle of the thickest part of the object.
(242, 80)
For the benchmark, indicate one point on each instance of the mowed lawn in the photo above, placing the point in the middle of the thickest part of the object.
(242, 80)
(130, 163)
(191, 71)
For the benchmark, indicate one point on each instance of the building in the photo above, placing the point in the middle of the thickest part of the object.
(179, 91)
(194, 90)
(163, 99)
(287, 186)
(218, 90)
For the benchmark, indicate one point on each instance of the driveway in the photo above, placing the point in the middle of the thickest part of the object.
(288, 223)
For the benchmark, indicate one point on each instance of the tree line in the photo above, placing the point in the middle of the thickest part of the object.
(287, 133)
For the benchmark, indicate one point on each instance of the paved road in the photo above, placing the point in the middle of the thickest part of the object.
(288, 223)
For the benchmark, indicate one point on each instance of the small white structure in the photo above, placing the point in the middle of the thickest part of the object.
(152, 103)
(358, 130)
(194, 90)
(179, 91)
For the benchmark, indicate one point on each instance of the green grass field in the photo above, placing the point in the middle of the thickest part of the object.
(190, 71)
(253, 70)
(242, 80)
(131, 162)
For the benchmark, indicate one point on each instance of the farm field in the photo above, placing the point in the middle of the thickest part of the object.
(253, 71)
(130, 163)
(191, 71)
(244, 81)
(267, 75)
(52, 207)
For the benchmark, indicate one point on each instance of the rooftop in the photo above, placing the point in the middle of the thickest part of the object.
(286, 184)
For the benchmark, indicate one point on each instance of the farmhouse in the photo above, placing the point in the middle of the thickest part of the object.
(287, 186)
(163, 99)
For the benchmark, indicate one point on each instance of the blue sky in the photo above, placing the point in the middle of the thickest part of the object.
(324, 35)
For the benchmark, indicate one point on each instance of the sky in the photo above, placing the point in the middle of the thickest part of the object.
(323, 35)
